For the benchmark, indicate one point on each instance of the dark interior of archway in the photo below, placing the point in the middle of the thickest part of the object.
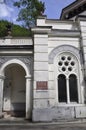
(14, 101)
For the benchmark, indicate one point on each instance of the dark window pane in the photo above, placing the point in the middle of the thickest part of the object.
(66, 63)
(73, 88)
(70, 68)
(60, 63)
(63, 58)
(72, 63)
(69, 58)
(63, 69)
(62, 95)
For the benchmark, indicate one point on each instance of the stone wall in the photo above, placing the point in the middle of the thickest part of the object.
(50, 39)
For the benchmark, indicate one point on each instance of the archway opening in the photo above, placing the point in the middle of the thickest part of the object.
(14, 91)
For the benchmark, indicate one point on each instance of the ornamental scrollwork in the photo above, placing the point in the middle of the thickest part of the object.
(28, 60)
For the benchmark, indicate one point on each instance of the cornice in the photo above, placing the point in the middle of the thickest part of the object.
(64, 33)
(73, 9)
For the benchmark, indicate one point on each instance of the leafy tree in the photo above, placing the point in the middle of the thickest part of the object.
(29, 10)
(3, 29)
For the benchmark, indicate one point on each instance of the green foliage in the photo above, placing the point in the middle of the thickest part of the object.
(3, 28)
(17, 31)
(29, 11)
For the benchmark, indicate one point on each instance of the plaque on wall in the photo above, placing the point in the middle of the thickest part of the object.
(41, 85)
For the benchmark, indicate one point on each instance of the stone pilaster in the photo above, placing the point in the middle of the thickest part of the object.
(83, 41)
(82, 24)
(40, 93)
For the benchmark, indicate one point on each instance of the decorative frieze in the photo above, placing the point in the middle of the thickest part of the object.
(28, 60)
(18, 41)
(61, 49)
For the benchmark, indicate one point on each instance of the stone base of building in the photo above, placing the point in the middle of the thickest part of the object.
(59, 113)
(41, 115)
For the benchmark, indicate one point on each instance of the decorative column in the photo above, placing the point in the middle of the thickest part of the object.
(68, 95)
(79, 92)
(1, 93)
(28, 97)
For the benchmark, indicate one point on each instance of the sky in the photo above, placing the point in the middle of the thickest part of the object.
(53, 9)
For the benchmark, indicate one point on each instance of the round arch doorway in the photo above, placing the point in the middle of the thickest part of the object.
(14, 91)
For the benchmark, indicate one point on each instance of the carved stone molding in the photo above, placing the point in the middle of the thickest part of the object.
(28, 60)
(61, 49)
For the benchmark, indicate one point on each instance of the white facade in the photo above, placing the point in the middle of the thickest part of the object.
(16, 65)
(43, 78)
(59, 70)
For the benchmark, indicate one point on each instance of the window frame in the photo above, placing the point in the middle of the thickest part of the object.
(67, 82)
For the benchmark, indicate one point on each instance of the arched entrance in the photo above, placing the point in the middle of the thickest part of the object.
(14, 91)
(16, 88)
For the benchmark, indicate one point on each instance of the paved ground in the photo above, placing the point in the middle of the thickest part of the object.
(11, 123)
(42, 126)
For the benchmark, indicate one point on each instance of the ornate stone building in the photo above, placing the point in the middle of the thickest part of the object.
(43, 78)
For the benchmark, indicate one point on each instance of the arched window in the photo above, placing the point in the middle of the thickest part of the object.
(73, 88)
(62, 88)
(67, 67)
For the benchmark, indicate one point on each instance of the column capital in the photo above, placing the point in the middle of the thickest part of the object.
(67, 78)
(28, 76)
(2, 77)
